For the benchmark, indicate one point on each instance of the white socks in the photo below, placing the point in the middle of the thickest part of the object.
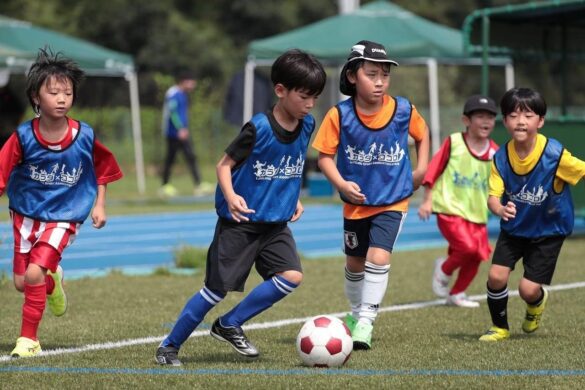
(365, 291)
(354, 282)
(373, 291)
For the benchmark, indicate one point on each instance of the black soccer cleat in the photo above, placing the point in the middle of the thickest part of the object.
(167, 356)
(235, 337)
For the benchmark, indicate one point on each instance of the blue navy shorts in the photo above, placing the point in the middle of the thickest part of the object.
(378, 231)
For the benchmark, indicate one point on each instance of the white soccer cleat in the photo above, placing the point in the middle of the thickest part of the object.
(440, 279)
(461, 300)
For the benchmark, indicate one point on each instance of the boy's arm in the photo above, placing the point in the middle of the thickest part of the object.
(236, 204)
(496, 190)
(298, 211)
(571, 169)
(10, 156)
(422, 159)
(505, 212)
(98, 214)
(426, 207)
(349, 189)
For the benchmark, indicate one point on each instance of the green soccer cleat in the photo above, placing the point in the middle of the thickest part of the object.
(534, 315)
(25, 347)
(362, 336)
(495, 334)
(350, 321)
(57, 301)
(167, 191)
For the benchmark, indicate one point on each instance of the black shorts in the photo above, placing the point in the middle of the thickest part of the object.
(539, 255)
(379, 231)
(236, 247)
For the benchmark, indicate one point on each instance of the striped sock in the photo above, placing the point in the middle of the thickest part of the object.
(375, 284)
(498, 304)
(354, 282)
(192, 315)
(259, 299)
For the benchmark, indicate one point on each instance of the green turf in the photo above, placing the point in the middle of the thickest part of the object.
(410, 348)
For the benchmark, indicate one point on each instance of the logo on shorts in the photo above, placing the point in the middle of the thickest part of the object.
(351, 240)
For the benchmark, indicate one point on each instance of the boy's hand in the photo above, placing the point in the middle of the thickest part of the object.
(238, 207)
(183, 134)
(425, 210)
(508, 211)
(98, 217)
(298, 212)
(352, 192)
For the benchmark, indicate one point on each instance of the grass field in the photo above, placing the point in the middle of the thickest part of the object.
(108, 336)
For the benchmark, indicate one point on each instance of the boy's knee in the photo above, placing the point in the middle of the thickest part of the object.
(294, 277)
(497, 278)
(19, 282)
(529, 291)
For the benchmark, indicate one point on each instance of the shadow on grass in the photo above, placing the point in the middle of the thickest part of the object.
(473, 337)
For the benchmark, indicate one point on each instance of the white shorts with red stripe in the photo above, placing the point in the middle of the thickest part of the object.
(29, 232)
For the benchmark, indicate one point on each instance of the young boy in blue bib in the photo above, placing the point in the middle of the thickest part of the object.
(529, 191)
(373, 174)
(55, 173)
(259, 182)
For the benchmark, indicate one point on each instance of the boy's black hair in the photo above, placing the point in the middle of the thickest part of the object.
(525, 99)
(184, 74)
(296, 69)
(348, 88)
(47, 65)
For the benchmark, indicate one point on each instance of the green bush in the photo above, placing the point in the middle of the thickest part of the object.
(187, 256)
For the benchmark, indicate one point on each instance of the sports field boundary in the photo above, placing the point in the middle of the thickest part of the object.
(267, 325)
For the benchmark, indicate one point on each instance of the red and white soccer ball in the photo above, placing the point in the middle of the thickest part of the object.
(324, 341)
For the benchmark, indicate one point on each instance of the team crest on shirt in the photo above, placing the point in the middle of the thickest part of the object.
(350, 239)
(56, 175)
(534, 198)
(287, 168)
(375, 154)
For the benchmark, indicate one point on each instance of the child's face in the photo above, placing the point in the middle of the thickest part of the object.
(371, 81)
(523, 125)
(55, 97)
(296, 103)
(479, 124)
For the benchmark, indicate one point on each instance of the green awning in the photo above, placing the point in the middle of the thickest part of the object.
(20, 42)
(404, 34)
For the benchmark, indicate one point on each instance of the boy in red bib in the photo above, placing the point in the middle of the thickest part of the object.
(456, 191)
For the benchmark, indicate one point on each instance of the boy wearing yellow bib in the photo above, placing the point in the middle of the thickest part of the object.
(456, 190)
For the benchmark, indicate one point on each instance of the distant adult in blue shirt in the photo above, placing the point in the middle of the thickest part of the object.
(176, 129)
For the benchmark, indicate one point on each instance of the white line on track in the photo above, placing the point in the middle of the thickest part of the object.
(267, 325)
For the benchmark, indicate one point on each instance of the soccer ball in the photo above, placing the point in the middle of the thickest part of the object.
(324, 341)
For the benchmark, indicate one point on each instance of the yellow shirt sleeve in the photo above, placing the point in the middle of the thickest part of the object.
(496, 184)
(570, 169)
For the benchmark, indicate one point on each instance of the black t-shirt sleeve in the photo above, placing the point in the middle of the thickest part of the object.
(241, 147)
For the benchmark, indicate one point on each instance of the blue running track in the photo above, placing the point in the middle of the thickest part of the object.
(140, 243)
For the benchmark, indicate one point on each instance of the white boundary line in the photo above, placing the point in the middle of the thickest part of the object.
(267, 325)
